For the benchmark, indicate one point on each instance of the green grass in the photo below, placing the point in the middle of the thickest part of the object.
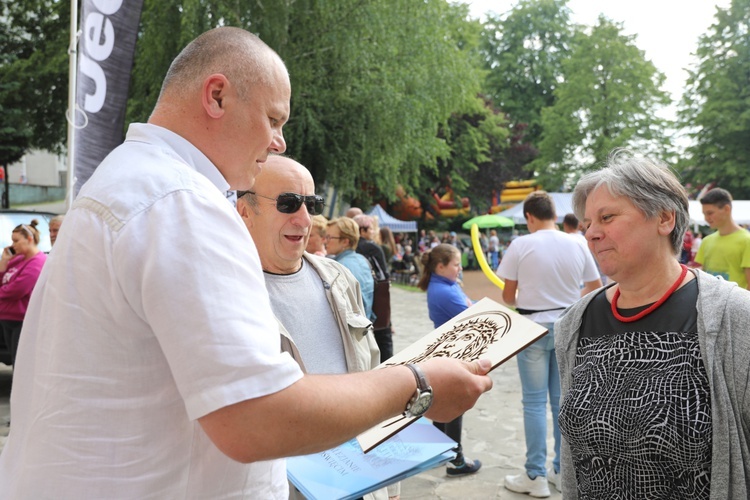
(408, 288)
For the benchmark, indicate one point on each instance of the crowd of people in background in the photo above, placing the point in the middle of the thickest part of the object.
(399, 258)
(402, 251)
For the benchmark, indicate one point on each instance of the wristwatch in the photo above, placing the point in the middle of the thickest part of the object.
(422, 399)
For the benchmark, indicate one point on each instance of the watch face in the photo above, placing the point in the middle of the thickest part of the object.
(422, 404)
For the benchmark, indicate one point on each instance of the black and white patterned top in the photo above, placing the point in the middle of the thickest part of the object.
(638, 414)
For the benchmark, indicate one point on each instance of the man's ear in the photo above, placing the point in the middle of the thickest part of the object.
(213, 95)
(243, 208)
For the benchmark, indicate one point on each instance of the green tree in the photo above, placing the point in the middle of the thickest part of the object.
(373, 89)
(14, 129)
(34, 69)
(160, 40)
(167, 26)
(524, 50)
(716, 104)
(476, 137)
(507, 162)
(373, 81)
(608, 99)
(483, 151)
(15, 134)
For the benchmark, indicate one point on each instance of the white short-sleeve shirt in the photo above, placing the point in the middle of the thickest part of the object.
(133, 332)
(549, 266)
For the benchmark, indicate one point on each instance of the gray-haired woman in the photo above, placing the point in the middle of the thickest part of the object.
(655, 368)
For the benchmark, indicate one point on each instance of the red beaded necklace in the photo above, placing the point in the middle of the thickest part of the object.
(653, 306)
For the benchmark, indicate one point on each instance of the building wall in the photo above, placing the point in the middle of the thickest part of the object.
(26, 194)
(40, 168)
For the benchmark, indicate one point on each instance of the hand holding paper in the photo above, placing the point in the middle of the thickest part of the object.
(487, 330)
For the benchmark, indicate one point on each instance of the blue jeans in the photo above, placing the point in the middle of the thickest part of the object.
(537, 365)
(494, 260)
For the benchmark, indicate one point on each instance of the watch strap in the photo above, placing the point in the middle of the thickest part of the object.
(422, 384)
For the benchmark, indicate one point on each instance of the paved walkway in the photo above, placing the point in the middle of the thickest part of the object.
(492, 430)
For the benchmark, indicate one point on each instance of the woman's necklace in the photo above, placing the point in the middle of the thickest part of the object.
(653, 306)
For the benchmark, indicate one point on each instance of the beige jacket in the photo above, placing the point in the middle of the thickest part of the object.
(345, 298)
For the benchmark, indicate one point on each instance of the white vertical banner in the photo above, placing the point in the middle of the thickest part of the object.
(105, 58)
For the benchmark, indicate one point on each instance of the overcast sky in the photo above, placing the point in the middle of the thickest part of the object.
(667, 30)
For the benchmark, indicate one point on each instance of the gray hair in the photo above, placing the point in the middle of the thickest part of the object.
(649, 184)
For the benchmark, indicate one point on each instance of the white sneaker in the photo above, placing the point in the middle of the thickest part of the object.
(554, 478)
(537, 487)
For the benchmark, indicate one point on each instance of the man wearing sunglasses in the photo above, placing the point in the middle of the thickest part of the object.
(316, 300)
(138, 375)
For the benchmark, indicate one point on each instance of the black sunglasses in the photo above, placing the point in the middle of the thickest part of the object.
(289, 203)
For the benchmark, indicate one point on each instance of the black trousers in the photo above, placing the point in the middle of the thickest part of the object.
(453, 430)
(11, 335)
(384, 339)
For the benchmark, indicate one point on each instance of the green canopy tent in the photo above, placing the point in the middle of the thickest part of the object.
(488, 221)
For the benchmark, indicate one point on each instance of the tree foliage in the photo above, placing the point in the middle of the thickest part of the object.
(372, 81)
(159, 41)
(508, 161)
(15, 134)
(477, 138)
(384, 92)
(524, 50)
(608, 99)
(716, 105)
(34, 73)
(484, 151)
(373, 90)
(14, 130)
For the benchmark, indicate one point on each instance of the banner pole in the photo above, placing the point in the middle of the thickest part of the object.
(71, 115)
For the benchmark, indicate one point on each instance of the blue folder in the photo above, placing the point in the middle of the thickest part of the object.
(346, 473)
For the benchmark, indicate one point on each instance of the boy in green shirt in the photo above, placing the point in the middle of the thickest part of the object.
(727, 251)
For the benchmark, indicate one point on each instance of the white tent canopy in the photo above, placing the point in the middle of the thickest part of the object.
(740, 212)
(392, 223)
(563, 205)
